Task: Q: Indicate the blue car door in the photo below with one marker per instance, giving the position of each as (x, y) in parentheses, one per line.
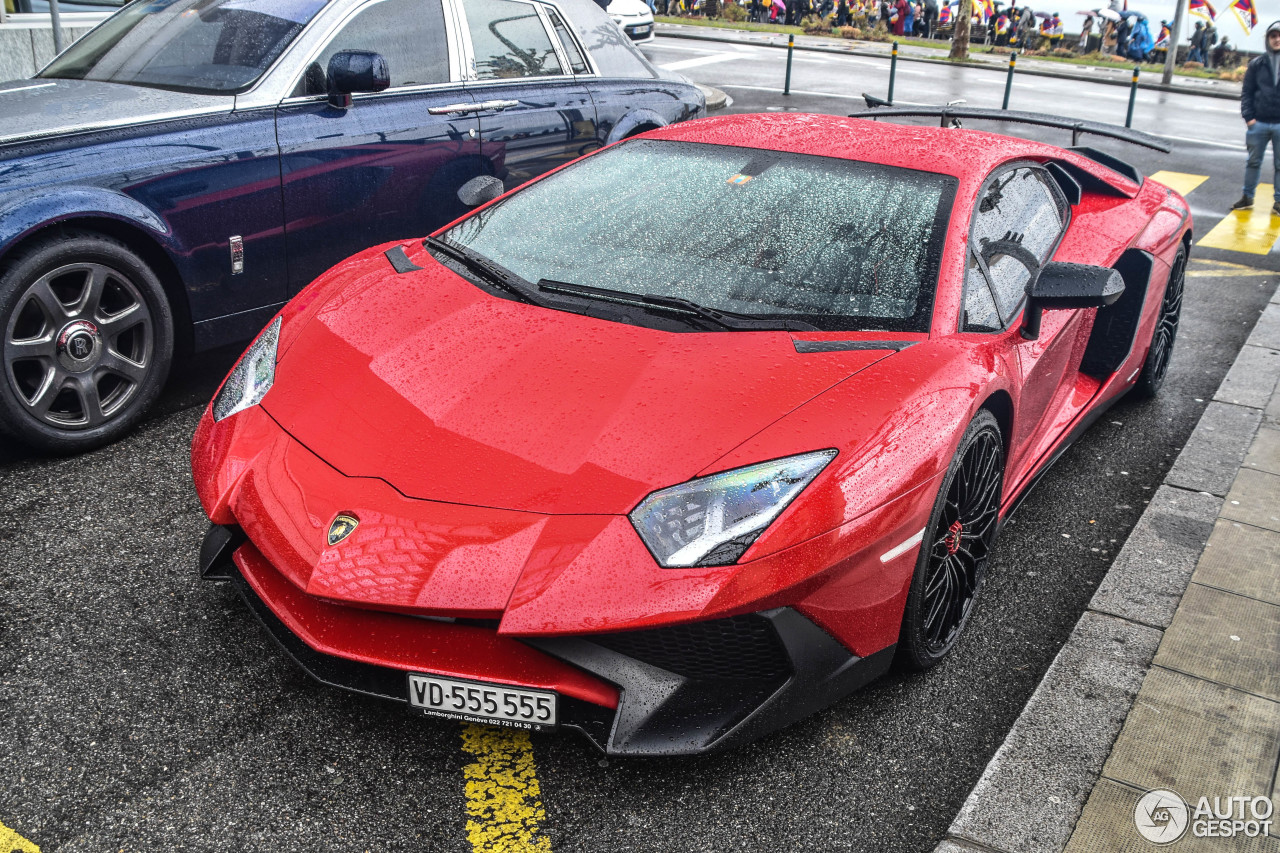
(389, 166)
(534, 113)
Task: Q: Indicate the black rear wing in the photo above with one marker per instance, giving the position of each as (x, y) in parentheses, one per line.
(946, 114)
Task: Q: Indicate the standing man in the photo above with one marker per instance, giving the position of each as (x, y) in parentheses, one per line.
(1260, 107)
(1196, 53)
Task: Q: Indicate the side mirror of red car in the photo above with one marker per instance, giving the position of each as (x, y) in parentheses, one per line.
(355, 71)
(1061, 285)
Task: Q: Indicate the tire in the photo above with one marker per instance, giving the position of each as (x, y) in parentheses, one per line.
(86, 342)
(1165, 333)
(953, 560)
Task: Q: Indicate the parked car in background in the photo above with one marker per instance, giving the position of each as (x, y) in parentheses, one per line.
(634, 17)
(175, 176)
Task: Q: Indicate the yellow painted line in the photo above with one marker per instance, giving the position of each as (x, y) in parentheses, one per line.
(504, 798)
(1254, 231)
(1179, 182)
(12, 842)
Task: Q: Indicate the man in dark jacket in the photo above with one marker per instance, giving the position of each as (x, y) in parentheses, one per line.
(1260, 107)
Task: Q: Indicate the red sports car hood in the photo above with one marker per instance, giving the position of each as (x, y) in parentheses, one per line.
(451, 394)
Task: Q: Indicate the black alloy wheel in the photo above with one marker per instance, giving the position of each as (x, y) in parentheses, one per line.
(956, 547)
(87, 341)
(1166, 330)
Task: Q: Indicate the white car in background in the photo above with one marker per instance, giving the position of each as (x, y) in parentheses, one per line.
(635, 17)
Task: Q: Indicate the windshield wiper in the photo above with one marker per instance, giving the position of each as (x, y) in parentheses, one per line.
(483, 267)
(676, 305)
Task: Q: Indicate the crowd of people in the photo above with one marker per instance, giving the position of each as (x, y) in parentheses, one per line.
(1121, 33)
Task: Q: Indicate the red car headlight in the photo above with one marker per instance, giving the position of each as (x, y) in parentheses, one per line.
(251, 378)
(711, 521)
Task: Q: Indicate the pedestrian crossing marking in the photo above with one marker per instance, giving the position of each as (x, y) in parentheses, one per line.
(1179, 182)
(1254, 231)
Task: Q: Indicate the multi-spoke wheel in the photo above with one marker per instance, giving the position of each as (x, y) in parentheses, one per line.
(87, 342)
(956, 546)
(1166, 330)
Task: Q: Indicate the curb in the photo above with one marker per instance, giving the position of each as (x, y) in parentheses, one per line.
(1031, 795)
(717, 99)
(722, 36)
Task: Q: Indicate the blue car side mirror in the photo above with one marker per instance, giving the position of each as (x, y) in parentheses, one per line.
(356, 71)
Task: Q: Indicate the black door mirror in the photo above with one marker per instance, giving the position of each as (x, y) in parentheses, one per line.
(356, 71)
(1062, 285)
(480, 190)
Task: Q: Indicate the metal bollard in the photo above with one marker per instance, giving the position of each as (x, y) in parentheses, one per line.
(791, 48)
(1133, 93)
(1008, 81)
(893, 70)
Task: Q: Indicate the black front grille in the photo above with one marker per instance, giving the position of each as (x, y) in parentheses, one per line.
(737, 648)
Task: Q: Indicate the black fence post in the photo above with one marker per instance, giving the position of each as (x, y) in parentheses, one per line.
(893, 69)
(1133, 93)
(1008, 81)
(791, 47)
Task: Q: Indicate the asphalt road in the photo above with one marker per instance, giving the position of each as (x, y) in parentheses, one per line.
(142, 710)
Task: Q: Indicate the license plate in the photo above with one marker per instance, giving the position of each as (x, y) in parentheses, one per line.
(642, 31)
(482, 702)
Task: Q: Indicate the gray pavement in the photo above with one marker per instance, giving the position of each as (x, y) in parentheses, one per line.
(141, 710)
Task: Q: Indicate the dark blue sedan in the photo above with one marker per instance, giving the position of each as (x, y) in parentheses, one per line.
(176, 175)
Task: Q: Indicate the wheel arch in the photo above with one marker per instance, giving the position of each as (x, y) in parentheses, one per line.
(139, 236)
(636, 121)
(1000, 404)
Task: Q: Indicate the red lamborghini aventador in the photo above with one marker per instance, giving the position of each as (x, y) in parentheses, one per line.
(693, 436)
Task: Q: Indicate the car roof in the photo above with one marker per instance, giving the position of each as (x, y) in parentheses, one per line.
(949, 151)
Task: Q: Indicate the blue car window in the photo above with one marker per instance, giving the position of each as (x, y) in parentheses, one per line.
(408, 33)
(199, 46)
(576, 62)
(509, 40)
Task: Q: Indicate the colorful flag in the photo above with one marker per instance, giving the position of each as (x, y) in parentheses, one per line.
(1203, 9)
(1246, 13)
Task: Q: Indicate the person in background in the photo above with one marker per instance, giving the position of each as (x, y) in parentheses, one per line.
(1085, 32)
(908, 23)
(1220, 53)
(1210, 38)
(930, 18)
(1196, 54)
(1260, 109)
(898, 18)
(842, 14)
(1002, 27)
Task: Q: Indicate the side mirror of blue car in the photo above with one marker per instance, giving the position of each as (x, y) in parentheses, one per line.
(480, 190)
(353, 71)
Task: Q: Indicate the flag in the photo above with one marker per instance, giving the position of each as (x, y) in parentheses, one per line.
(1202, 8)
(1246, 14)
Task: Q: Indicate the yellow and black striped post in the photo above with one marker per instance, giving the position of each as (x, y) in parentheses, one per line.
(1133, 94)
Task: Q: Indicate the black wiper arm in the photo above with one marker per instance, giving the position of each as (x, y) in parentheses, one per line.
(675, 304)
(483, 267)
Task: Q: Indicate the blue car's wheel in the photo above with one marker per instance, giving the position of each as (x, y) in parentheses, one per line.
(87, 340)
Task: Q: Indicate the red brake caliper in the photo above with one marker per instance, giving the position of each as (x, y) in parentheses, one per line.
(952, 539)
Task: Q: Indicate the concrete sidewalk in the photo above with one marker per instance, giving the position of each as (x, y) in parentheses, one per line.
(1171, 679)
(1117, 75)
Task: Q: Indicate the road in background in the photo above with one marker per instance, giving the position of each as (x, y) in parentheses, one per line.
(142, 710)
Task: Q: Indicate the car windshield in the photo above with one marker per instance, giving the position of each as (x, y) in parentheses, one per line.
(199, 46)
(839, 244)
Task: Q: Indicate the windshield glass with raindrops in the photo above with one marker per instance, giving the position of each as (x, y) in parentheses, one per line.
(842, 245)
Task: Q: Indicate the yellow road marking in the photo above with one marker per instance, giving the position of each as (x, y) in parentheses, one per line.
(504, 805)
(1179, 182)
(1204, 268)
(1254, 231)
(12, 842)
